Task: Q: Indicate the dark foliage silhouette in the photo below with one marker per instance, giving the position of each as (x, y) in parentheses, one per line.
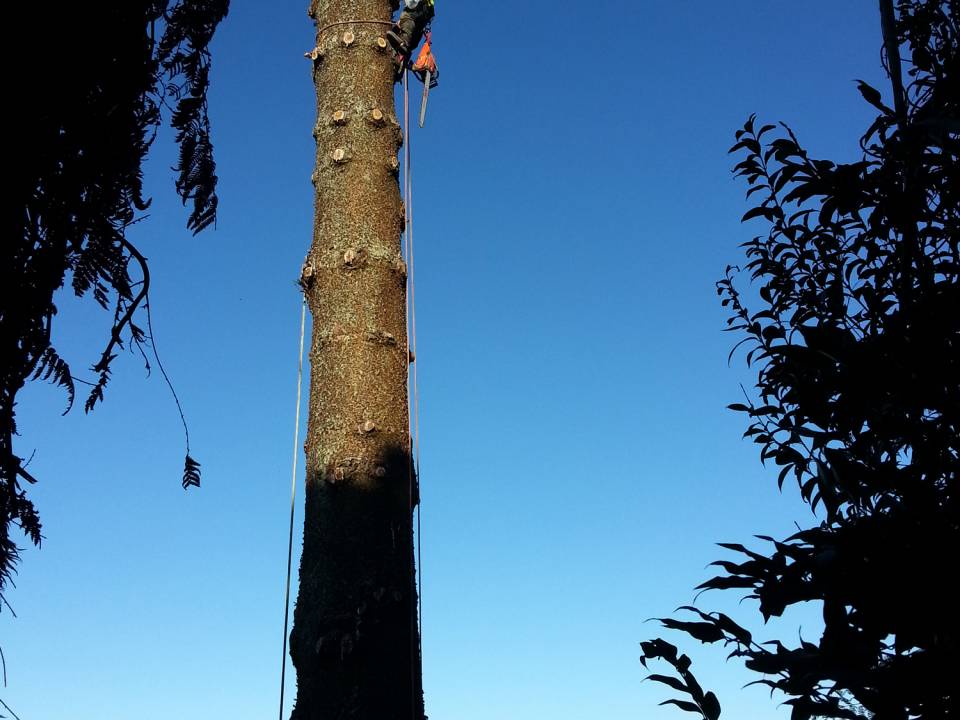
(857, 353)
(90, 83)
(702, 703)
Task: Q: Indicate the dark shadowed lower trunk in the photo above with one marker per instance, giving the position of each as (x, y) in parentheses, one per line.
(354, 640)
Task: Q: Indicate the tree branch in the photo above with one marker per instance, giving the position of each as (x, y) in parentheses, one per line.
(24, 474)
(115, 333)
(888, 25)
(15, 716)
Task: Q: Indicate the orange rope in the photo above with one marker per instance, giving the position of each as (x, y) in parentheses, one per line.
(416, 392)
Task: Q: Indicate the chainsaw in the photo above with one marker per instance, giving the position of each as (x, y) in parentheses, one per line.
(425, 68)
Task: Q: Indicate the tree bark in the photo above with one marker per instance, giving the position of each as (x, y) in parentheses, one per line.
(354, 642)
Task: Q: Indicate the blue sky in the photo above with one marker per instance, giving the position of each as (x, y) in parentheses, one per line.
(574, 207)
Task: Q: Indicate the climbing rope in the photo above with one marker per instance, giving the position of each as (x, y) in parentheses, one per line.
(412, 344)
(293, 499)
(412, 387)
(355, 22)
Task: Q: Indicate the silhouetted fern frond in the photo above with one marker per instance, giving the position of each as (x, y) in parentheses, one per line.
(53, 368)
(183, 54)
(96, 395)
(191, 473)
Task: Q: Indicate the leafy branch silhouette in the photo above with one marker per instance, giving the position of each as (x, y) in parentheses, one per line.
(856, 348)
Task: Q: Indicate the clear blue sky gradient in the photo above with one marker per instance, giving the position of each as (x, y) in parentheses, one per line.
(574, 207)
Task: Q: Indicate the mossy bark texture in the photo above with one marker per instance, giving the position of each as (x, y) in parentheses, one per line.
(354, 642)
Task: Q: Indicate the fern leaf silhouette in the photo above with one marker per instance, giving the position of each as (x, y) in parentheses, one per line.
(191, 473)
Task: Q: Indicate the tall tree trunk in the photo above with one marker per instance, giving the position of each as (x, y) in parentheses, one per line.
(354, 642)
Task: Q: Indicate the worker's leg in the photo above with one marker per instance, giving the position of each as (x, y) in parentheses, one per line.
(401, 34)
(405, 36)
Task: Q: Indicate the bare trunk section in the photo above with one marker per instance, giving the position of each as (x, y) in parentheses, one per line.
(354, 642)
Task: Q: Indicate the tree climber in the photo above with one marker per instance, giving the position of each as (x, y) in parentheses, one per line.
(406, 34)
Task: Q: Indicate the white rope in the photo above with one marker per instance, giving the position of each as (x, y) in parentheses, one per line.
(416, 399)
(412, 390)
(293, 499)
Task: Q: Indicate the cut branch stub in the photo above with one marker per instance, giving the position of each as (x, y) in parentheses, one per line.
(354, 258)
(376, 117)
(348, 38)
(339, 117)
(340, 156)
(381, 337)
(306, 274)
(345, 469)
(381, 43)
(368, 427)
